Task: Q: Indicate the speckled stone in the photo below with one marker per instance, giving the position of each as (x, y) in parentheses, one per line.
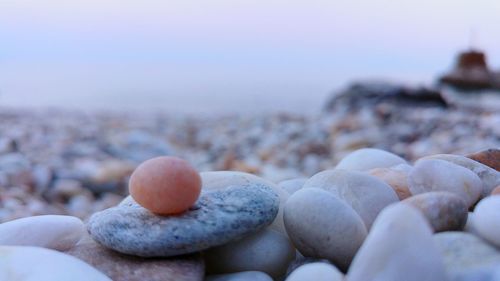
(219, 216)
(444, 210)
(221, 179)
(121, 267)
(467, 257)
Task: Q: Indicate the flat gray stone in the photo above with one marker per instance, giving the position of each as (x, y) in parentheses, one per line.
(218, 217)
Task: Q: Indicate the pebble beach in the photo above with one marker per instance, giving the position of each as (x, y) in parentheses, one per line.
(360, 191)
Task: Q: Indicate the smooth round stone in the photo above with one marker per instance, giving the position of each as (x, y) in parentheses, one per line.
(366, 194)
(489, 177)
(396, 179)
(467, 257)
(439, 175)
(487, 219)
(165, 185)
(121, 267)
(222, 179)
(220, 216)
(398, 247)
(300, 260)
(323, 226)
(489, 157)
(240, 276)
(267, 251)
(49, 231)
(445, 211)
(292, 185)
(369, 158)
(22, 263)
(318, 271)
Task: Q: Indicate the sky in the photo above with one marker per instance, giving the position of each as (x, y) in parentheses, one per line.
(227, 55)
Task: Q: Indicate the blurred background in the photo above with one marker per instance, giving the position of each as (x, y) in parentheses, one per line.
(282, 89)
(188, 56)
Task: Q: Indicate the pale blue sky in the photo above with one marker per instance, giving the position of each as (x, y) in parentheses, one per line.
(188, 55)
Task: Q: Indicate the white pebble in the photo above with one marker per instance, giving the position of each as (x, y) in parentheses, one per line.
(49, 231)
(317, 271)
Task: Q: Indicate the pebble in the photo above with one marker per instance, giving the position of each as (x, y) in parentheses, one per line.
(487, 219)
(49, 231)
(220, 216)
(222, 179)
(165, 185)
(267, 251)
(444, 210)
(121, 267)
(496, 190)
(489, 176)
(292, 185)
(317, 271)
(23, 263)
(366, 194)
(240, 276)
(369, 158)
(322, 226)
(439, 175)
(396, 179)
(398, 247)
(489, 157)
(467, 257)
(300, 260)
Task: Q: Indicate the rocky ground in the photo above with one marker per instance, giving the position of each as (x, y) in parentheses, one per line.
(61, 162)
(383, 184)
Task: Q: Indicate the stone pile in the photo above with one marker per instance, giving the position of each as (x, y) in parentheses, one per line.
(439, 220)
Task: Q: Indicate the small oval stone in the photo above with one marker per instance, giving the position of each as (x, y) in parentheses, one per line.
(267, 251)
(318, 271)
(487, 219)
(48, 231)
(240, 276)
(398, 247)
(489, 177)
(439, 175)
(369, 158)
(445, 211)
(23, 263)
(321, 225)
(366, 194)
(165, 185)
